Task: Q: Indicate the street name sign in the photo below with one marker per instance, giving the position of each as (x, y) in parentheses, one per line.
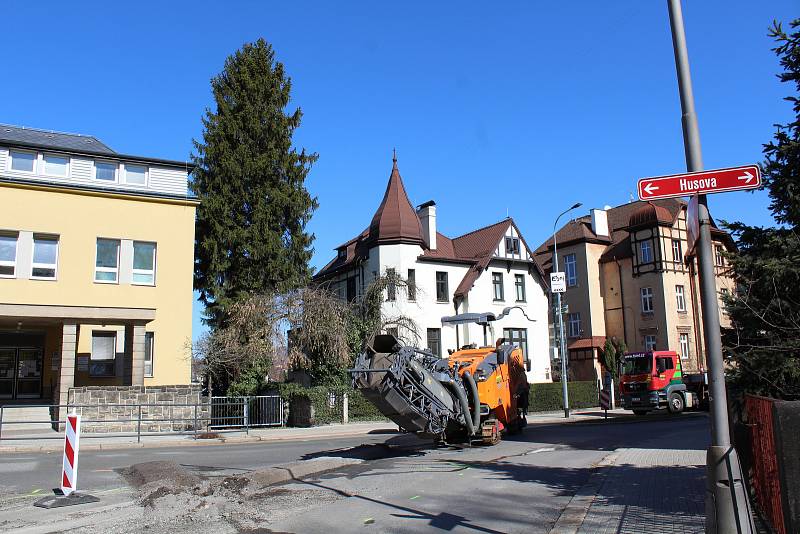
(716, 181)
(558, 283)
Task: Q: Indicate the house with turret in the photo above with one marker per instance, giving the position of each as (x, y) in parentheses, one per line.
(486, 270)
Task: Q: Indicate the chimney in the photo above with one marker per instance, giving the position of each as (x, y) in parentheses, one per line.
(427, 216)
(600, 222)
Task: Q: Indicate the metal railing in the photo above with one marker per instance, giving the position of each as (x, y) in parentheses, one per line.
(765, 481)
(221, 414)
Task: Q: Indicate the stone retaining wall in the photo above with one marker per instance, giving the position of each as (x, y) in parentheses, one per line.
(95, 404)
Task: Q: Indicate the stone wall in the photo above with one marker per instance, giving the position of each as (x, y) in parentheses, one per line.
(117, 408)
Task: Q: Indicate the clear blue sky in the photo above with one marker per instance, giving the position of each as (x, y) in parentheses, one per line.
(522, 108)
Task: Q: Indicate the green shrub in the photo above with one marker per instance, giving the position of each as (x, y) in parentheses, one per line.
(547, 397)
(327, 402)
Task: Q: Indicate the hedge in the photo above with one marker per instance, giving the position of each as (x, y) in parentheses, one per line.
(546, 397)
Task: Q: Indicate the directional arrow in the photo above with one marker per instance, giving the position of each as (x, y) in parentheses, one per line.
(747, 177)
(649, 188)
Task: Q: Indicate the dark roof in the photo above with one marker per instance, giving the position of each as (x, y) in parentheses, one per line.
(649, 214)
(20, 135)
(395, 221)
(594, 342)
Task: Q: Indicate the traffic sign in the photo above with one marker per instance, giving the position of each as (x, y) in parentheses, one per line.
(558, 283)
(716, 181)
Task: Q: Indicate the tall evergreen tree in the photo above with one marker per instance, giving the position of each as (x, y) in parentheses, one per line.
(251, 224)
(764, 342)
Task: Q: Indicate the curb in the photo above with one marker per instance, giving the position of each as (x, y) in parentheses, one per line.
(573, 515)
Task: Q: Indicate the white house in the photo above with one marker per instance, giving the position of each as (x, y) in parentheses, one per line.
(486, 270)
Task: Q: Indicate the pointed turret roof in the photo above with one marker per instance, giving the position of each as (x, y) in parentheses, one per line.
(396, 220)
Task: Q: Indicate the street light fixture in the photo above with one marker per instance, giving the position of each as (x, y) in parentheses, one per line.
(562, 344)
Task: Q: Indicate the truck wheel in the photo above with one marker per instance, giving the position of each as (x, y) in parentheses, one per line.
(640, 412)
(676, 403)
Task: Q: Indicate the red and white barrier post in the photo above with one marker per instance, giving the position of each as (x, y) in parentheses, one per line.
(69, 471)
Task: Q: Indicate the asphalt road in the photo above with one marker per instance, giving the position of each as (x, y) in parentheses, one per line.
(520, 485)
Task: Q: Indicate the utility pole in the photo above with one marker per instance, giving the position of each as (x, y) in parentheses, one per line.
(727, 507)
(559, 312)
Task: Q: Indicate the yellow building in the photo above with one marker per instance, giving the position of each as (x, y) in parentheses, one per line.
(96, 260)
(627, 278)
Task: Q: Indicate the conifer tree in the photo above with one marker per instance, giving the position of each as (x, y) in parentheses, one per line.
(764, 342)
(251, 233)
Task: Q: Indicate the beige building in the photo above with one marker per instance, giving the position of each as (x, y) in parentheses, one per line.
(96, 260)
(628, 278)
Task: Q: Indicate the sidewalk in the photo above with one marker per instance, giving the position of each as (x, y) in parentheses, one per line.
(640, 490)
(34, 440)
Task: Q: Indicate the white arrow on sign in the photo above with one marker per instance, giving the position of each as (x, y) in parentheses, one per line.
(649, 188)
(747, 177)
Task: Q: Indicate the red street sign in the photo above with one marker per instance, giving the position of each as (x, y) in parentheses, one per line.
(717, 181)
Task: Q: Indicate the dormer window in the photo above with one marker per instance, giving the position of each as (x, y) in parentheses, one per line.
(647, 252)
(56, 165)
(135, 174)
(342, 253)
(105, 171)
(23, 161)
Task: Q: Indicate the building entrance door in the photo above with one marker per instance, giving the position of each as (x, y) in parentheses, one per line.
(21, 372)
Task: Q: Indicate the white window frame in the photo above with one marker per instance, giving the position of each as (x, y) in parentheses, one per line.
(719, 259)
(518, 286)
(646, 296)
(6, 263)
(54, 266)
(146, 174)
(105, 162)
(680, 297)
(149, 340)
(13, 151)
(44, 172)
(683, 341)
(650, 343)
(572, 277)
(107, 269)
(134, 271)
(676, 244)
(649, 247)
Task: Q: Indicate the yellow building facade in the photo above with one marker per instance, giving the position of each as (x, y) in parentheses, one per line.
(96, 262)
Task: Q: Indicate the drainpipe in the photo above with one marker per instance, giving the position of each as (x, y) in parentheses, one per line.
(622, 303)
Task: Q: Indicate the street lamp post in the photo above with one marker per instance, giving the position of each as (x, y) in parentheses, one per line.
(562, 344)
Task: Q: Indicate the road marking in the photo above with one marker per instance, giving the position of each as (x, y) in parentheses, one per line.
(543, 449)
(102, 470)
(413, 498)
(369, 521)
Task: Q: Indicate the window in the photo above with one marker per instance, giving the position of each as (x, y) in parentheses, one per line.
(681, 298)
(497, 285)
(574, 325)
(144, 263)
(663, 363)
(518, 337)
(570, 269)
(148, 353)
(45, 257)
(8, 255)
(684, 346)
(350, 294)
(435, 341)
(647, 251)
(55, 165)
(442, 293)
(512, 245)
(391, 284)
(647, 299)
(105, 171)
(107, 261)
(23, 161)
(649, 343)
(719, 259)
(104, 351)
(677, 252)
(412, 284)
(135, 174)
(519, 286)
(392, 331)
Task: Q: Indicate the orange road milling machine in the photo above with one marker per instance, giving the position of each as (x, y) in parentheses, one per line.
(474, 395)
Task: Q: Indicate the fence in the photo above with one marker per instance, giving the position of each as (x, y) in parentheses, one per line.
(765, 477)
(246, 412)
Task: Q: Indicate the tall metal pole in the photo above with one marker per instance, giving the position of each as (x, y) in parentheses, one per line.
(727, 507)
(562, 343)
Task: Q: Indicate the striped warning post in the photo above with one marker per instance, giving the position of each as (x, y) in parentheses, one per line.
(69, 472)
(605, 399)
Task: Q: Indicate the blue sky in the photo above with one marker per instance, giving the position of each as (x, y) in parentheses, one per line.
(521, 108)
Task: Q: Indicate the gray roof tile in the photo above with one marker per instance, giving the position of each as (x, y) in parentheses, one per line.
(33, 137)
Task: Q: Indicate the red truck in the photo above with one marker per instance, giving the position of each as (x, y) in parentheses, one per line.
(654, 380)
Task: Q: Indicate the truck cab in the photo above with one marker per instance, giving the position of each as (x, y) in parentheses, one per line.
(653, 380)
